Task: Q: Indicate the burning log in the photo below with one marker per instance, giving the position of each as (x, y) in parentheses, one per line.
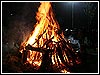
(59, 50)
(46, 62)
(47, 42)
(43, 50)
(24, 56)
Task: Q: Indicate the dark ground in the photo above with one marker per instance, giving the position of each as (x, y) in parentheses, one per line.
(89, 65)
(11, 63)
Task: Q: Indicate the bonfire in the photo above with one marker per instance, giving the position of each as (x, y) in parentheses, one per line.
(46, 46)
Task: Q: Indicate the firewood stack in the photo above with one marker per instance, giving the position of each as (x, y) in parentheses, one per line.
(46, 48)
(61, 49)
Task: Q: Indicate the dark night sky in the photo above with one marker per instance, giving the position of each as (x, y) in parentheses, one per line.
(64, 14)
(62, 10)
(19, 17)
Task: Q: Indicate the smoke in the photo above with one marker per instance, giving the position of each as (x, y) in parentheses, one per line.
(18, 27)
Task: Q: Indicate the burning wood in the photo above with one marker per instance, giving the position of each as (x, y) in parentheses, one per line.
(43, 50)
(49, 48)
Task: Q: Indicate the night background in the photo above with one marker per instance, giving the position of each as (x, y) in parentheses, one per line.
(18, 20)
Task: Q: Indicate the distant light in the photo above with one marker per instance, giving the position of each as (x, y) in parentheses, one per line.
(71, 30)
(11, 14)
(66, 30)
(77, 51)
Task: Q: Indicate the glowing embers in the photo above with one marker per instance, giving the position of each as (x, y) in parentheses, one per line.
(64, 71)
(35, 58)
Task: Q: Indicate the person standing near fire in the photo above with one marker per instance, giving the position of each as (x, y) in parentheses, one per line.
(74, 41)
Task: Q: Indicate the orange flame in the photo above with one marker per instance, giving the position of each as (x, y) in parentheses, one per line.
(45, 21)
(48, 26)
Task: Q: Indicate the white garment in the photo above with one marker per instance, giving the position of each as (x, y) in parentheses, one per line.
(73, 41)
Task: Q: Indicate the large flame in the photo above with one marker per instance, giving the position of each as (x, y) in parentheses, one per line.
(47, 26)
(44, 16)
(45, 21)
